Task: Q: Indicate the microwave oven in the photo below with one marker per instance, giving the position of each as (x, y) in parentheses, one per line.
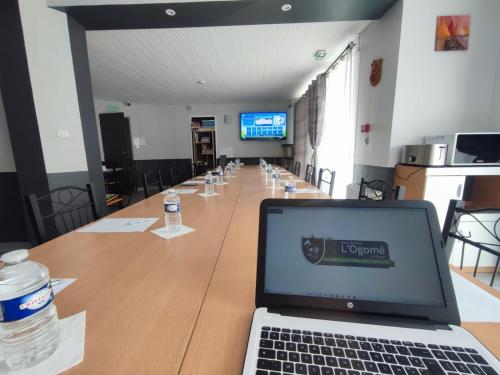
(469, 148)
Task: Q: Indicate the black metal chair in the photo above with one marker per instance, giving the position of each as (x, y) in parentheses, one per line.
(174, 176)
(222, 161)
(286, 163)
(62, 210)
(296, 168)
(455, 212)
(200, 167)
(152, 180)
(194, 170)
(310, 176)
(328, 177)
(379, 190)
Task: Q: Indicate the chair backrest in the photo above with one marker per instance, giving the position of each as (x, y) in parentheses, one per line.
(310, 176)
(62, 210)
(152, 180)
(174, 176)
(379, 190)
(200, 167)
(286, 163)
(328, 177)
(222, 161)
(194, 170)
(487, 241)
(296, 168)
(451, 217)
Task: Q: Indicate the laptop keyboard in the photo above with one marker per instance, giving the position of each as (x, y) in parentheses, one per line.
(291, 351)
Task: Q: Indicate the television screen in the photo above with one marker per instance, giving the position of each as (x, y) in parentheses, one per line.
(263, 125)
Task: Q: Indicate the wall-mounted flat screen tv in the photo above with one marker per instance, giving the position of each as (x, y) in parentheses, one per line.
(262, 125)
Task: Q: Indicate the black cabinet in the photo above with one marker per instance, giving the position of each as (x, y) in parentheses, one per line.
(117, 147)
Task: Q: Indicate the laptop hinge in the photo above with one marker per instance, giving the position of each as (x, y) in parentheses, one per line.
(362, 318)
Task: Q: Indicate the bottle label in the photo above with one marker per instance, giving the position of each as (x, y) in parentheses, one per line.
(289, 188)
(209, 181)
(21, 307)
(172, 207)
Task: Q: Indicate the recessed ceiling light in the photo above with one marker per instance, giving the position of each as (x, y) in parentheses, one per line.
(170, 12)
(286, 7)
(201, 82)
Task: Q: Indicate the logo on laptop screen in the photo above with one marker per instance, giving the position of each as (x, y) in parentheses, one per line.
(352, 253)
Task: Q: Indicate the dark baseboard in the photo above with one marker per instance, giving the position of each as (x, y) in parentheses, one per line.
(184, 166)
(12, 221)
(79, 179)
(164, 165)
(371, 172)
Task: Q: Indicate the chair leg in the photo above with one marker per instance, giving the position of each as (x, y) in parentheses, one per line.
(477, 262)
(494, 272)
(462, 257)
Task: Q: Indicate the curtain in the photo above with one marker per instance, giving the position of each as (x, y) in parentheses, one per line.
(336, 150)
(317, 96)
(309, 113)
(301, 147)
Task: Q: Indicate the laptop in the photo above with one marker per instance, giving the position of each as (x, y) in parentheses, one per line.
(349, 287)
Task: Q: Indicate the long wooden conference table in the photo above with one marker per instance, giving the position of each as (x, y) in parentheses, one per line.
(178, 306)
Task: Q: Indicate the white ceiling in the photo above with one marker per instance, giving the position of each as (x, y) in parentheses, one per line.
(239, 63)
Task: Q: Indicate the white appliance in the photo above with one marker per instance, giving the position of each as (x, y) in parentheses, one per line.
(469, 148)
(428, 155)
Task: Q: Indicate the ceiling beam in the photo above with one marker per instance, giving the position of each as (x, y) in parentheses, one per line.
(223, 13)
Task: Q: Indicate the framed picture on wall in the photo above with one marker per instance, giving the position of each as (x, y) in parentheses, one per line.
(452, 33)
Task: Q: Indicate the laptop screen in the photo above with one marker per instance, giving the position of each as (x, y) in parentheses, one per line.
(367, 254)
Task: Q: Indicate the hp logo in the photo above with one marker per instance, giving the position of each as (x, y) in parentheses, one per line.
(350, 305)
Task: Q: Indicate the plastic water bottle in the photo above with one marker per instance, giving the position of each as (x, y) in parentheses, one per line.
(173, 216)
(219, 176)
(29, 326)
(289, 188)
(276, 179)
(209, 183)
(238, 163)
(269, 172)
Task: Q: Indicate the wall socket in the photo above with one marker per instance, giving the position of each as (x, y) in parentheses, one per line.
(62, 133)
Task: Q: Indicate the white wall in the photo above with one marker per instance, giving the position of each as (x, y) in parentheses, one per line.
(6, 157)
(495, 103)
(168, 134)
(444, 92)
(375, 104)
(228, 135)
(52, 77)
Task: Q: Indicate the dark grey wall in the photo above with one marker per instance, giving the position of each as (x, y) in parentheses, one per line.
(78, 179)
(12, 224)
(20, 110)
(164, 165)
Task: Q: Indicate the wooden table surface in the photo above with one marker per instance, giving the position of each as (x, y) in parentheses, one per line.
(179, 306)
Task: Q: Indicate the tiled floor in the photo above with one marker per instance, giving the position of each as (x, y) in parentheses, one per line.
(485, 277)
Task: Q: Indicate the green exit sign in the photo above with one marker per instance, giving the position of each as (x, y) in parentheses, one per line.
(111, 108)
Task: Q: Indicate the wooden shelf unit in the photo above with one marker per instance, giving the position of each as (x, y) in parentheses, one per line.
(203, 140)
